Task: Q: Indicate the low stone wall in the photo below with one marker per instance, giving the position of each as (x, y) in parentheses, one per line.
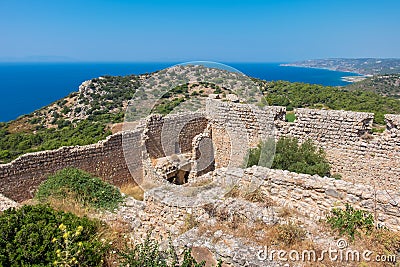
(360, 157)
(20, 178)
(315, 196)
(118, 159)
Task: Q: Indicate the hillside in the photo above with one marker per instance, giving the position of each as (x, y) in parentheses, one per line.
(365, 66)
(87, 116)
(386, 85)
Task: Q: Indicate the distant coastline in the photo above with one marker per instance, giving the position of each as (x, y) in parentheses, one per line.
(322, 68)
(357, 77)
(359, 66)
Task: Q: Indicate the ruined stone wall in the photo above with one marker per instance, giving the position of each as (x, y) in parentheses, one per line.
(106, 159)
(237, 126)
(360, 157)
(20, 178)
(172, 134)
(315, 196)
(202, 153)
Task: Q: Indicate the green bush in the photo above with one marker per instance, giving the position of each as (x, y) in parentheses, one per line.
(82, 186)
(305, 158)
(31, 235)
(350, 221)
(149, 254)
(290, 117)
(292, 156)
(262, 154)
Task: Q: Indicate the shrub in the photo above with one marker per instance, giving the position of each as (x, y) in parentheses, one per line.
(351, 221)
(292, 156)
(290, 117)
(305, 158)
(290, 234)
(81, 186)
(35, 235)
(261, 155)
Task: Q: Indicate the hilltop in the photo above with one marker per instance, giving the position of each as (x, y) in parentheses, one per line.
(365, 66)
(386, 85)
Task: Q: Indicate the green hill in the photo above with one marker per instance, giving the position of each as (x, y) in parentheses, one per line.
(386, 85)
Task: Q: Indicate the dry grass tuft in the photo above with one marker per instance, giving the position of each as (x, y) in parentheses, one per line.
(70, 204)
(256, 196)
(190, 223)
(132, 190)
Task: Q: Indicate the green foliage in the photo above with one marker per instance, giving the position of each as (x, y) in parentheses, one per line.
(351, 221)
(336, 176)
(149, 254)
(29, 237)
(301, 95)
(164, 107)
(301, 158)
(82, 186)
(261, 155)
(378, 130)
(290, 117)
(85, 132)
(386, 85)
(292, 156)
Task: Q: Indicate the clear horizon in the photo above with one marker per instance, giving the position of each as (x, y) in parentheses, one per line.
(171, 62)
(179, 31)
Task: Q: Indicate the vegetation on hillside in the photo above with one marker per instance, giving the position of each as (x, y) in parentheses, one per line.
(149, 254)
(385, 85)
(290, 155)
(82, 187)
(84, 132)
(301, 95)
(357, 65)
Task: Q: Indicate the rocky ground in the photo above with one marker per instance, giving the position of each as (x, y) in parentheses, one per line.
(6, 203)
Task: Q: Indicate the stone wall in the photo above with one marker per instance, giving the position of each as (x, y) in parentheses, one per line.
(355, 153)
(237, 126)
(172, 134)
(118, 159)
(315, 196)
(359, 156)
(20, 178)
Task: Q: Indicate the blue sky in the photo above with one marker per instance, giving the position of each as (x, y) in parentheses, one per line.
(150, 30)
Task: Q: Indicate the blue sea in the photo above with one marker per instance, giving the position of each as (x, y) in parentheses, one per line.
(25, 87)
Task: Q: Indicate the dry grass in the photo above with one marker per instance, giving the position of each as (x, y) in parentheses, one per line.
(235, 192)
(190, 223)
(133, 190)
(287, 212)
(69, 204)
(255, 196)
(21, 125)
